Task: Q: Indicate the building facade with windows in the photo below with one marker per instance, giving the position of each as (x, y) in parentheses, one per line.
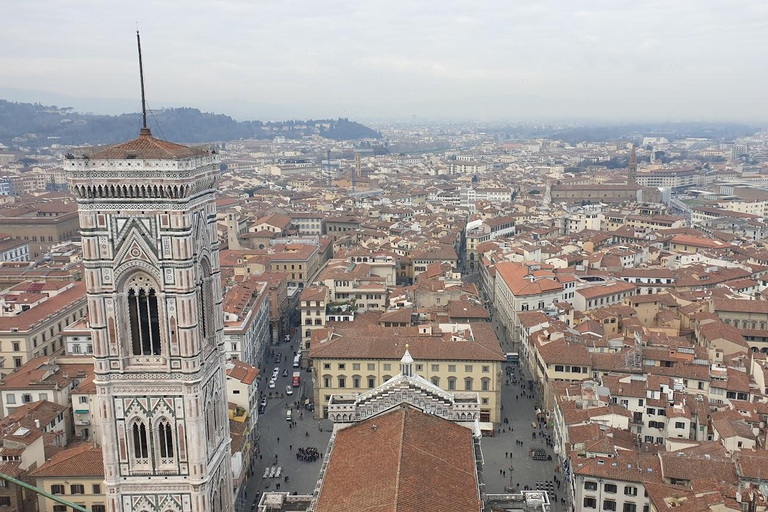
(77, 475)
(614, 484)
(34, 329)
(151, 265)
(454, 357)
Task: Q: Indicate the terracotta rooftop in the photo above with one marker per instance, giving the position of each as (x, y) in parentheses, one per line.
(399, 462)
(376, 342)
(146, 147)
(241, 371)
(78, 460)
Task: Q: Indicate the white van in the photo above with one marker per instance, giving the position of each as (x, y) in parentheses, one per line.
(288, 415)
(297, 360)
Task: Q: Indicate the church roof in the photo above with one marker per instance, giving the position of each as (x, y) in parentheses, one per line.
(146, 147)
(400, 462)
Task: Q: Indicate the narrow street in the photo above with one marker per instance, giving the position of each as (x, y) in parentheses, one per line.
(302, 476)
(501, 451)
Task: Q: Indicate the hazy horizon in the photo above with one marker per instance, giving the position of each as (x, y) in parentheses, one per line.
(588, 61)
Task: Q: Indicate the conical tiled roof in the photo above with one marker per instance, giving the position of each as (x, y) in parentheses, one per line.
(146, 147)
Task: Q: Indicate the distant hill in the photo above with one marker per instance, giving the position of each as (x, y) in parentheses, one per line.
(38, 125)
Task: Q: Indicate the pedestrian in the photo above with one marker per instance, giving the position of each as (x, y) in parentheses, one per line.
(499, 472)
(278, 439)
(505, 473)
(290, 447)
(506, 454)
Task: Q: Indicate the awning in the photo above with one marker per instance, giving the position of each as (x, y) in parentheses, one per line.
(486, 426)
(82, 411)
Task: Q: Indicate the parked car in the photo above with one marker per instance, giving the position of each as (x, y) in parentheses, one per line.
(288, 390)
(278, 358)
(272, 384)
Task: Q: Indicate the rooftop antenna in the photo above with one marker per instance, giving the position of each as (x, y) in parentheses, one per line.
(141, 78)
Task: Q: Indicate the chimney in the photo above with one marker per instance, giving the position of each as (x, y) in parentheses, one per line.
(37, 423)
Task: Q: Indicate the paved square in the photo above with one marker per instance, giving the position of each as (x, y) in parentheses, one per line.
(500, 452)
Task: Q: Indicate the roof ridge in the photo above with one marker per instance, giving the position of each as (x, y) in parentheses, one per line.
(400, 459)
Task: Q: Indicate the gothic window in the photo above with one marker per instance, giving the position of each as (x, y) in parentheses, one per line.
(140, 446)
(165, 438)
(205, 302)
(210, 423)
(144, 317)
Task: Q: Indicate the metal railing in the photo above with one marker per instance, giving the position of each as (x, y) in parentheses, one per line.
(41, 492)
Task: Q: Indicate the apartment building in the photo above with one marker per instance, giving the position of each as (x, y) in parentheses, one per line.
(14, 250)
(300, 261)
(614, 484)
(42, 224)
(312, 304)
(77, 475)
(349, 358)
(277, 293)
(246, 321)
(33, 317)
(308, 223)
(354, 283)
(439, 254)
(77, 337)
(602, 295)
(49, 378)
(521, 287)
(84, 404)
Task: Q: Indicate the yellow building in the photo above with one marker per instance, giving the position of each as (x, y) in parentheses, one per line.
(77, 475)
(349, 358)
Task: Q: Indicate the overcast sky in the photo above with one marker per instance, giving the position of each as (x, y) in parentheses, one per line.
(508, 59)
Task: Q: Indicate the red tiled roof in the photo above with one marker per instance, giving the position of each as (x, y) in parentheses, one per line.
(399, 462)
(146, 147)
(80, 460)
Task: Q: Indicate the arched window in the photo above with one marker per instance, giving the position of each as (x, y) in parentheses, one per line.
(140, 450)
(436, 381)
(210, 423)
(451, 383)
(145, 322)
(468, 384)
(165, 439)
(486, 384)
(205, 302)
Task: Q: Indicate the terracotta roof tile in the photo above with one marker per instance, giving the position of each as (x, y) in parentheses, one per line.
(399, 462)
(146, 147)
(78, 460)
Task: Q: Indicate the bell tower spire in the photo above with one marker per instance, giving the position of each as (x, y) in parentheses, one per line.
(151, 266)
(144, 128)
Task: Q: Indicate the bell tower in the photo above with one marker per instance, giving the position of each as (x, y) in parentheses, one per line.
(151, 258)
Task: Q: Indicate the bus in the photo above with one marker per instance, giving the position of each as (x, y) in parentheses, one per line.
(296, 379)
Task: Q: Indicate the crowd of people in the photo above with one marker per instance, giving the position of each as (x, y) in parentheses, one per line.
(309, 454)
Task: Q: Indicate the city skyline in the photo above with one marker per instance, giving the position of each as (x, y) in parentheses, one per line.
(601, 62)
